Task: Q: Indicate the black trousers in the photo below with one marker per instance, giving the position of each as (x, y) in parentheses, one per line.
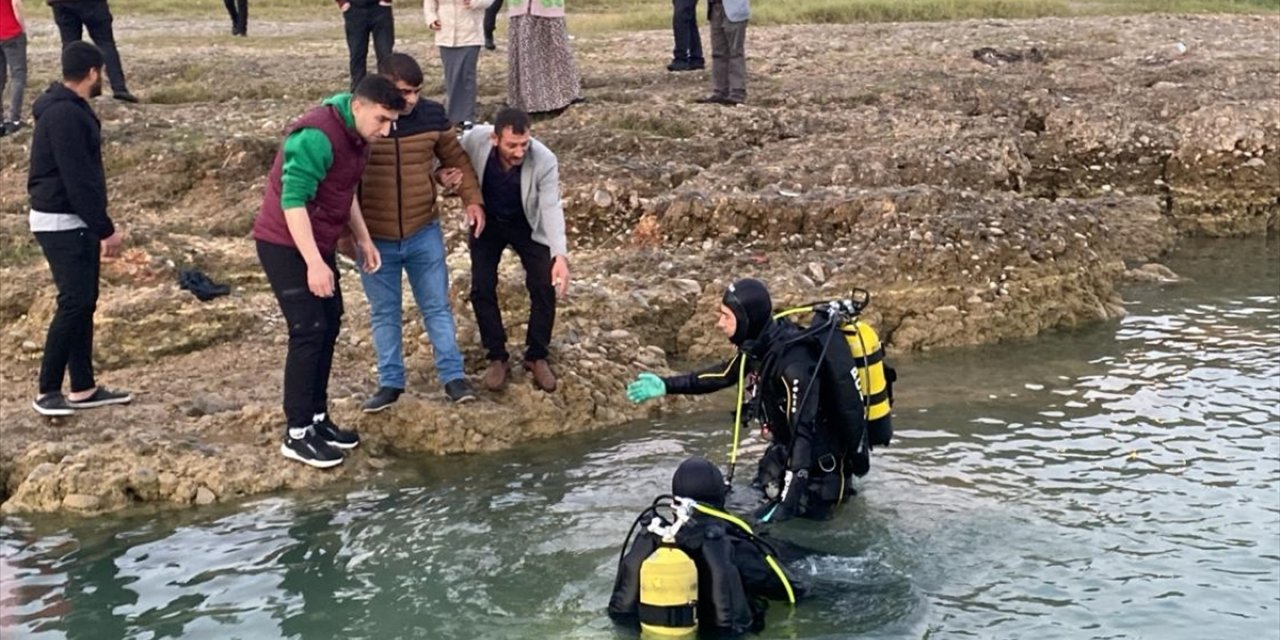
(684, 25)
(361, 23)
(486, 254)
(313, 330)
(239, 12)
(75, 261)
(491, 18)
(73, 18)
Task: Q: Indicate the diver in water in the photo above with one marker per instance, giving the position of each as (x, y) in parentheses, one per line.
(701, 570)
(804, 386)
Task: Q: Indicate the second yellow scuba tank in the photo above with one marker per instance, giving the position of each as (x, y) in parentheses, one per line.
(873, 380)
(668, 593)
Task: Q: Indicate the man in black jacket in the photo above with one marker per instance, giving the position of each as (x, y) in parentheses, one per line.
(801, 393)
(68, 190)
(74, 17)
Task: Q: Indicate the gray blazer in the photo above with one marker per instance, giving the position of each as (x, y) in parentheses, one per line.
(539, 186)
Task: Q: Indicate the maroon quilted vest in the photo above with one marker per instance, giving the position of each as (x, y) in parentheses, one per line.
(330, 208)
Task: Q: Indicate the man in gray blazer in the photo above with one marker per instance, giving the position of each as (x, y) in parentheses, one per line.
(520, 182)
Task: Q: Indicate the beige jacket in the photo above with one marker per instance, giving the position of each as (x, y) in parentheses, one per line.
(460, 26)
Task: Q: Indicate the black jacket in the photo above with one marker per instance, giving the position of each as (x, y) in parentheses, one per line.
(66, 173)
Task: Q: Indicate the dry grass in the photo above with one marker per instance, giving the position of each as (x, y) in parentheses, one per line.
(602, 16)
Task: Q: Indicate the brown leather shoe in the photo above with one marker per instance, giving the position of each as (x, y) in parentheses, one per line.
(496, 375)
(543, 378)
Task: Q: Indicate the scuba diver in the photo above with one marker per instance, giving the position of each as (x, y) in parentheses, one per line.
(702, 570)
(821, 394)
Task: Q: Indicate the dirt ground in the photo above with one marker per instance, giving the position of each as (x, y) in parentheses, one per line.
(981, 196)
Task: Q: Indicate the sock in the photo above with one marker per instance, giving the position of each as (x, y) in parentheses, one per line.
(298, 433)
(318, 418)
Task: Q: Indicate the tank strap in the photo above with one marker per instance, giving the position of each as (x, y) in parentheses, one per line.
(764, 548)
(669, 616)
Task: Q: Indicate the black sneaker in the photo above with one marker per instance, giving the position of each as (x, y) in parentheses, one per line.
(311, 449)
(52, 404)
(330, 433)
(489, 44)
(101, 397)
(125, 96)
(459, 391)
(385, 397)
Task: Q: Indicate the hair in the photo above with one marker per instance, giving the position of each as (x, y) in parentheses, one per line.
(381, 91)
(402, 67)
(511, 118)
(78, 58)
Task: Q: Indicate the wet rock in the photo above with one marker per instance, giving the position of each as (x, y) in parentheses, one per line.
(205, 496)
(81, 502)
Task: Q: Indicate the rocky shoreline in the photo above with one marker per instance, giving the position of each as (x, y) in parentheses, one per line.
(979, 200)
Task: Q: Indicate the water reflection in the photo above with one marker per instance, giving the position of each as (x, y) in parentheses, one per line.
(1120, 481)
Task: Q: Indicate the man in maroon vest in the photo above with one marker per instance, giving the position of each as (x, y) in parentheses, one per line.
(308, 204)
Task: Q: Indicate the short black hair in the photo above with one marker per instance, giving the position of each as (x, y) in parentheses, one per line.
(78, 58)
(402, 67)
(510, 117)
(381, 91)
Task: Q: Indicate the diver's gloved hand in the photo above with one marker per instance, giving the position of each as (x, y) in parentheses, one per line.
(646, 386)
(787, 506)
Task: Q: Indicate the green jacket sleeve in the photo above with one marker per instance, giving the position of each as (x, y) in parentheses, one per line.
(307, 158)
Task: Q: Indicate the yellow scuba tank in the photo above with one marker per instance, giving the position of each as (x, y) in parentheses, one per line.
(668, 593)
(873, 382)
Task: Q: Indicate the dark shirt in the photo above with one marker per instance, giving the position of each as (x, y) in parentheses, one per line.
(501, 191)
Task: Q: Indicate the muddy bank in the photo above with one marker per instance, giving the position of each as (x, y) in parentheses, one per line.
(980, 200)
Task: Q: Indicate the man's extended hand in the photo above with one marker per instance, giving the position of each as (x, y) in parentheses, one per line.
(475, 218)
(646, 386)
(560, 275)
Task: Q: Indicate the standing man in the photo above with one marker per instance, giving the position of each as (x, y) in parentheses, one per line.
(74, 17)
(684, 23)
(398, 198)
(68, 190)
(364, 19)
(308, 203)
(239, 11)
(13, 61)
(520, 183)
(728, 20)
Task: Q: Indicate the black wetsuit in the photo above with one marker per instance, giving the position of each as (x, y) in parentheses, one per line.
(814, 413)
(734, 578)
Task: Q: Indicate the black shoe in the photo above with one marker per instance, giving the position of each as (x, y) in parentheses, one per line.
(385, 397)
(335, 437)
(199, 284)
(488, 43)
(710, 100)
(101, 397)
(52, 404)
(459, 391)
(124, 96)
(697, 65)
(679, 65)
(311, 450)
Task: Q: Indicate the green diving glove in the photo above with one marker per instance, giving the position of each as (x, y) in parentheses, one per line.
(646, 386)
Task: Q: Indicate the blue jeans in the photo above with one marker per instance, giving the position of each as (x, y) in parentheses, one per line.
(421, 256)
